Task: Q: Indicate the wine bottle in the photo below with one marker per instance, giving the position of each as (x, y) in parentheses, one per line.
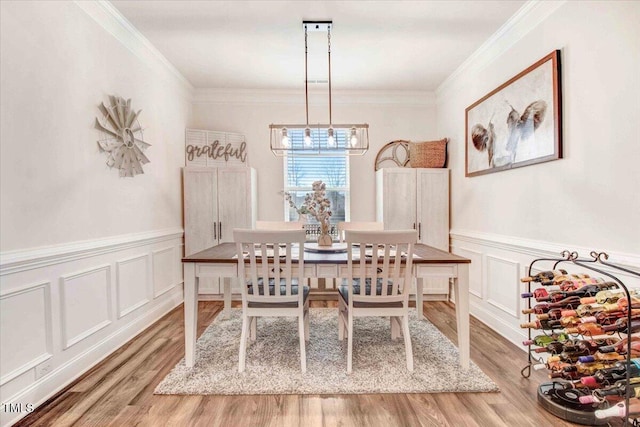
(599, 356)
(581, 369)
(585, 291)
(621, 326)
(564, 278)
(588, 329)
(619, 388)
(605, 318)
(538, 309)
(623, 302)
(571, 285)
(609, 296)
(568, 356)
(554, 313)
(541, 308)
(621, 346)
(542, 324)
(618, 410)
(554, 347)
(543, 276)
(540, 292)
(570, 321)
(543, 340)
(615, 373)
(589, 309)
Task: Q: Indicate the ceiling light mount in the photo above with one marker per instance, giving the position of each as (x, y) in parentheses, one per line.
(320, 139)
(317, 26)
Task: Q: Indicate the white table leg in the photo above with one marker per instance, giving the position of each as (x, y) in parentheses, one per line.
(420, 297)
(227, 296)
(190, 312)
(462, 313)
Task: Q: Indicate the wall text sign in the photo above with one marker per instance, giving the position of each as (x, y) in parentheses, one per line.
(215, 149)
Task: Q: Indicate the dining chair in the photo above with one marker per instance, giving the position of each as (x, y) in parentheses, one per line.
(269, 282)
(377, 284)
(279, 225)
(358, 225)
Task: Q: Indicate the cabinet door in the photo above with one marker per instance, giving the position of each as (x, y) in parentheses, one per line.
(200, 209)
(234, 201)
(396, 198)
(433, 207)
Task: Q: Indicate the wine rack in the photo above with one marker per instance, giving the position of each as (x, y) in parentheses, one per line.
(561, 396)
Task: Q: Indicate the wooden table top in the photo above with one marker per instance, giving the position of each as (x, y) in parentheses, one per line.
(225, 252)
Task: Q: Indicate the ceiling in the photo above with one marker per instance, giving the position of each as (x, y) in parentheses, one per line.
(375, 45)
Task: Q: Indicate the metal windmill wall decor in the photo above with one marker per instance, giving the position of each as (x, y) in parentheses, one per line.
(122, 136)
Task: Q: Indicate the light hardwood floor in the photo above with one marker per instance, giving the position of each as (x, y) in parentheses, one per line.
(119, 391)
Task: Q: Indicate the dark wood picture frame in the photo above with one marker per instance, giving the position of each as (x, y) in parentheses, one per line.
(517, 124)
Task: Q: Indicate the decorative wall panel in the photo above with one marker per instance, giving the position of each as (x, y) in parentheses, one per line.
(85, 299)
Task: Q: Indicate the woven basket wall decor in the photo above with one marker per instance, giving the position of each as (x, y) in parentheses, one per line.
(428, 154)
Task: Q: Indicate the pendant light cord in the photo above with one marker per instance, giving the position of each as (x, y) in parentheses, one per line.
(306, 79)
(329, 47)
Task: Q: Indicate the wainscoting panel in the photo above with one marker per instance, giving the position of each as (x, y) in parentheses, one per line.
(26, 339)
(475, 269)
(502, 274)
(133, 284)
(164, 276)
(497, 264)
(85, 299)
(65, 308)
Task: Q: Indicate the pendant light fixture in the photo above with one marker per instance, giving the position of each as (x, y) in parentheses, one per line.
(320, 139)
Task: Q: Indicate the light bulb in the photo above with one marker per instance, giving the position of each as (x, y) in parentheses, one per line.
(331, 140)
(286, 142)
(307, 137)
(354, 139)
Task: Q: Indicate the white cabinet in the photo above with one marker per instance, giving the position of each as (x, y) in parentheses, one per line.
(416, 198)
(216, 200)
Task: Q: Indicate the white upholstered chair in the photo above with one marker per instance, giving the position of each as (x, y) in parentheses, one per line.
(358, 225)
(270, 287)
(279, 225)
(377, 284)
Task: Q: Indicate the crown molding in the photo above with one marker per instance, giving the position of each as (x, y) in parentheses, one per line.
(530, 15)
(110, 18)
(296, 97)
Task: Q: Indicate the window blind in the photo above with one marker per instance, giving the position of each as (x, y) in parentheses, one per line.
(332, 168)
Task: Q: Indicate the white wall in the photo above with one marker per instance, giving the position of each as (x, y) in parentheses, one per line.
(391, 116)
(57, 67)
(588, 200)
(89, 259)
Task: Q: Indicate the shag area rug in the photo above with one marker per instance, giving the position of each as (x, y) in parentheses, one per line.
(273, 360)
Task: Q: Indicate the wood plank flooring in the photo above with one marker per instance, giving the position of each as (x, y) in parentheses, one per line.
(119, 391)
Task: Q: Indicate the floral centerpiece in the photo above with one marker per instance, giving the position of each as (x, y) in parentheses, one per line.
(318, 206)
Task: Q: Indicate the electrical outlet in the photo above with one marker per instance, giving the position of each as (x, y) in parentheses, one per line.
(43, 369)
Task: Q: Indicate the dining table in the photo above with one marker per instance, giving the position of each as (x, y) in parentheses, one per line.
(221, 261)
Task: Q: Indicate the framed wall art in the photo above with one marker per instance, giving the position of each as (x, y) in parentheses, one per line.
(517, 124)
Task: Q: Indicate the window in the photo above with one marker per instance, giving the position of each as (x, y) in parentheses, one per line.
(332, 168)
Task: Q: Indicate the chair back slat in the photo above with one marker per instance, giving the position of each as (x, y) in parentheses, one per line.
(271, 275)
(386, 275)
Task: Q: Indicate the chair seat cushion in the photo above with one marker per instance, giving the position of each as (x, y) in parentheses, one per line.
(343, 291)
(272, 291)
